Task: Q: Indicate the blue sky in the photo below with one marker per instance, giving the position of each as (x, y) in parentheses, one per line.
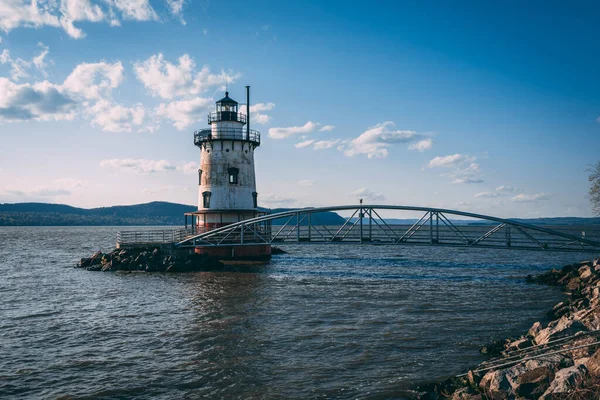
(478, 107)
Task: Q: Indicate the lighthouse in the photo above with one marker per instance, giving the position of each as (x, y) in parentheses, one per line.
(226, 178)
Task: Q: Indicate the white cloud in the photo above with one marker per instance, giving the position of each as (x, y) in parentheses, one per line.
(486, 195)
(376, 140)
(501, 190)
(256, 112)
(87, 91)
(467, 180)
(526, 198)
(190, 168)
(325, 144)
(327, 128)
(506, 189)
(185, 112)
(117, 118)
(259, 107)
(141, 166)
(450, 161)
(282, 133)
(305, 143)
(139, 10)
(168, 80)
(421, 145)
(464, 169)
(368, 195)
(306, 182)
(56, 188)
(94, 81)
(39, 60)
(65, 13)
(40, 101)
(18, 67)
(176, 8)
(271, 199)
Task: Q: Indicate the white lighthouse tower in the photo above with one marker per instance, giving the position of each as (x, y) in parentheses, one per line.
(226, 178)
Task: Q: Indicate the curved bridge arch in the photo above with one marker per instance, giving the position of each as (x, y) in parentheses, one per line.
(366, 226)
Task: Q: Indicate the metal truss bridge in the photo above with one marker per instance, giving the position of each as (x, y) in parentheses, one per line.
(436, 227)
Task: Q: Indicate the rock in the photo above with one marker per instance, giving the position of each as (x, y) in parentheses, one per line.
(574, 284)
(593, 364)
(559, 328)
(502, 382)
(473, 379)
(465, 394)
(494, 348)
(518, 344)
(585, 272)
(565, 380)
(534, 383)
(535, 329)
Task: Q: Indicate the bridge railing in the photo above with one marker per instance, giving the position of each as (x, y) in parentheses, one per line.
(366, 225)
(153, 236)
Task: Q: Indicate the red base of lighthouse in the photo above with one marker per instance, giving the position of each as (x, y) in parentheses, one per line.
(256, 252)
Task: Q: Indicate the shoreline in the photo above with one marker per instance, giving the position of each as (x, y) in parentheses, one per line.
(556, 360)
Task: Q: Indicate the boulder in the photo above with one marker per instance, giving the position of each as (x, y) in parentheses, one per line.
(494, 348)
(585, 272)
(534, 383)
(574, 284)
(535, 329)
(593, 364)
(559, 328)
(565, 381)
(519, 344)
(502, 382)
(465, 394)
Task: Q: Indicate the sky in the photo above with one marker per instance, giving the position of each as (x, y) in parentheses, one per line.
(486, 107)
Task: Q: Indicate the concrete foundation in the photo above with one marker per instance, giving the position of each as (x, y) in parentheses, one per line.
(252, 252)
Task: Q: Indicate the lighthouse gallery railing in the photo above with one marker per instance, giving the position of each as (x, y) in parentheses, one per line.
(207, 135)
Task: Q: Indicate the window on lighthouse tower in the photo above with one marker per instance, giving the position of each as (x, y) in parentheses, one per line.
(199, 177)
(233, 175)
(206, 199)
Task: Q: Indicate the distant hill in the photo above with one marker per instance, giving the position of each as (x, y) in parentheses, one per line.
(154, 213)
(324, 218)
(44, 214)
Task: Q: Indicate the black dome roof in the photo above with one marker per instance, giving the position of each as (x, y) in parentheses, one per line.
(227, 99)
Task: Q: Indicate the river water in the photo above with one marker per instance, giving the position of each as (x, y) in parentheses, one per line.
(335, 321)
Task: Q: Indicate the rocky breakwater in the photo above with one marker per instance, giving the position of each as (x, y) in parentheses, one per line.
(556, 360)
(149, 260)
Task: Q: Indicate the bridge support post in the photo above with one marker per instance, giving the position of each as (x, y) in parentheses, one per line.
(431, 227)
(309, 215)
(297, 227)
(437, 228)
(360, 215)
(370, 225)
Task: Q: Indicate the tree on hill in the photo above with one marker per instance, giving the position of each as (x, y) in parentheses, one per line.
(594, 192)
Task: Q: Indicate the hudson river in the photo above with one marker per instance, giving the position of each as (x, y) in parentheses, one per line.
(333, 321)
